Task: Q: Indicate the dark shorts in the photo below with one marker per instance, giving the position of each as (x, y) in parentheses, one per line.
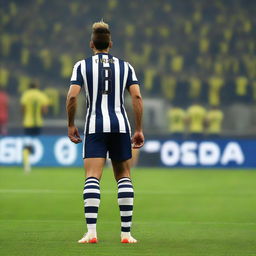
(33, 131)
(118, 145)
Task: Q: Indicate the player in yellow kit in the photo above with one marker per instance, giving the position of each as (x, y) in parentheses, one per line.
(214, 121)
(196, 116)
(176, 122)
(34, 105)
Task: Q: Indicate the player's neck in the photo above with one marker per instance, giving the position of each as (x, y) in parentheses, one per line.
(98, 51)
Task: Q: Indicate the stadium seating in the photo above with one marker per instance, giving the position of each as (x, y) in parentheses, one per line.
(215, 63)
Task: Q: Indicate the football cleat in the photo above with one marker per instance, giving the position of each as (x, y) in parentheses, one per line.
(88, 239)
(128, 240)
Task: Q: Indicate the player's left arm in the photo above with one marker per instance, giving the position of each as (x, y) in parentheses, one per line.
(132, 85)
(45, 103)
(71, 106)
(137, 103)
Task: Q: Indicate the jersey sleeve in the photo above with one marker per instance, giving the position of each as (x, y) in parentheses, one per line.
(77, 77)
(132, 78)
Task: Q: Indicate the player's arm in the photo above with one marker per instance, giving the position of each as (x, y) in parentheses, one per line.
(45, 103)
(71, 106)
(45, 110)
(137, 103)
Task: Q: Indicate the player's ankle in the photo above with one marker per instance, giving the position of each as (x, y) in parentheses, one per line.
(125, 234)
(92, 233)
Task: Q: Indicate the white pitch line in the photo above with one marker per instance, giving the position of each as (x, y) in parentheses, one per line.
(52, 191)
(36, 191)
(161, 222)
(147, 192)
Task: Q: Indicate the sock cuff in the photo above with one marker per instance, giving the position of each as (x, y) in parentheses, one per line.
(92, 180)
(124, 179)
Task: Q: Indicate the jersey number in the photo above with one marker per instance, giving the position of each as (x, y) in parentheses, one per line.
(106, 77)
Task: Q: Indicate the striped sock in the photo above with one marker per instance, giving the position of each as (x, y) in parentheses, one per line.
(91, 197)
(125, 202)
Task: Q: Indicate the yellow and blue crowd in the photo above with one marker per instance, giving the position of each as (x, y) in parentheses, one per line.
(195, 122)
(183, 51)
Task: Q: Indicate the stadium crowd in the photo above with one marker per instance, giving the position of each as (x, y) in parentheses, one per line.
(200, 50)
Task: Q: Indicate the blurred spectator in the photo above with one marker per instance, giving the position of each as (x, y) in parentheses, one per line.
(196, 116)
(215, 84)
(205, 49)
(176, 122)
(4, 102)
(241, 86)
(34, 105)
(214, 120)
(195, 86)
(208, 42)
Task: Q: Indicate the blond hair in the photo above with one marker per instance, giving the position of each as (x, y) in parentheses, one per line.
(100, 25)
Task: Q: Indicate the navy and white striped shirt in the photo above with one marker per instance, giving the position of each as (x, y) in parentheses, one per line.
(105, 79)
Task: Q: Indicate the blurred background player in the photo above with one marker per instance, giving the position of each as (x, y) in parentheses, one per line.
(176, 122)
(4, 105)
(214, 119)
(196, 116)
(34, 104)
(107, 129)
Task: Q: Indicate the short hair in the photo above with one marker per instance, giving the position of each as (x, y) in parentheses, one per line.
(101, 35)
(33, 85)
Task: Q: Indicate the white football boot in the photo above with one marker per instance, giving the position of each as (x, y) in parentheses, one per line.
(126, 238)
(88, 239)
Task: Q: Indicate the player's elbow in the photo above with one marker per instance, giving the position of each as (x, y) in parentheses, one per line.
(71, 97)
(137, 97)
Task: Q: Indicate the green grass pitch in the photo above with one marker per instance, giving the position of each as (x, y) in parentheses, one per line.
(177, 212)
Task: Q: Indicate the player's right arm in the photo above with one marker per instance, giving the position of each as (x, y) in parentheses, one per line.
(71, 106)
(45, 102)
(137, 103)
(76, 82)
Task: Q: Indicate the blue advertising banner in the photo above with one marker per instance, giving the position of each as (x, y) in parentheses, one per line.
(206, 153)
(47, 151)
(59, 151)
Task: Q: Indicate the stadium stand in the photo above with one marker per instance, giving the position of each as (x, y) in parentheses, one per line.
(215, 65)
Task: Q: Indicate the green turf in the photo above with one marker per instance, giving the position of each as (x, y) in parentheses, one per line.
(177, 212)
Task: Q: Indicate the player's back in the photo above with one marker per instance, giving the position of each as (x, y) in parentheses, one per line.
(105, 79)
(196, 114)
(177, 120)
(33, 100)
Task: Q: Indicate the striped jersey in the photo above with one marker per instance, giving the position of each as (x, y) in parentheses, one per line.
(104, 79)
